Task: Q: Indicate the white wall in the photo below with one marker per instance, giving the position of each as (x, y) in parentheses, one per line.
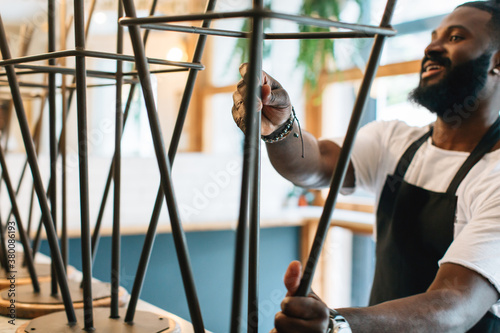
(207, 188)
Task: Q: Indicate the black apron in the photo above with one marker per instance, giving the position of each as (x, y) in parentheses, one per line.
(415, 228)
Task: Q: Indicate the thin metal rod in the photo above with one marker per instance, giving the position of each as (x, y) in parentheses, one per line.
(145, 257)
(253, 252)
(267, 36)
(165, 171)
(64, 184)
(87, 29)
(158, 71)
(52, 129)
(38, 238)
(62, 142)
(38, 57)
(19, 73)
(97, 229)
(22, 232)
(18, 188)
(129, 21)
(72, 87)
(172, 151)
(113, 56)
(26, 35)
(25, 95)
(115, 245)
(95, 236)
(62, 136)
(152, 11)
(249, 175)
(25, 84)
(196, 30)
(89, 20)
(318, 35)
(52, 69)
(1, 179)
(256, 45)
(3, 248)
(90, 73)
(36, 140)
(344, 158)
(42, 198)
(81, 106)
(36, 242)
(321, 22)
(95, 54)
(30, 212)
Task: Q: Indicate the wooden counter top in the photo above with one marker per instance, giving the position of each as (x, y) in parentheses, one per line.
(358, 222)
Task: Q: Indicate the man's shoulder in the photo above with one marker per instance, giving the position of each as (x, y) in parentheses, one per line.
(394, 132)
(395, 126)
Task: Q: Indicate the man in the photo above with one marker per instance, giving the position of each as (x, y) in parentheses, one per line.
(437, 188)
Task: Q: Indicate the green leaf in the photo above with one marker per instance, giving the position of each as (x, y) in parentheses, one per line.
(314, 54)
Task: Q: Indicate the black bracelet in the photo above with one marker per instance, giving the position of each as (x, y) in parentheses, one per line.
(284, 130)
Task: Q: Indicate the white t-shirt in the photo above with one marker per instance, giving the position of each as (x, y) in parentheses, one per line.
(376, 152)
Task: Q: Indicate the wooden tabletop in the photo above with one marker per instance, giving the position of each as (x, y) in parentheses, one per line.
(185, 326)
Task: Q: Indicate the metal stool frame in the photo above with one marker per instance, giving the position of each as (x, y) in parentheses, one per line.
(250, 190)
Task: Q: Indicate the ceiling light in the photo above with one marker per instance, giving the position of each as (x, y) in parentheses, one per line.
(175, 54)
(100, 18)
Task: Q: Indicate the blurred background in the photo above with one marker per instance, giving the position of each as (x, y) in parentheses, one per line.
(322, 78)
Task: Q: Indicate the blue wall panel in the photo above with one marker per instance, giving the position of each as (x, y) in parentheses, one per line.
(212, 256)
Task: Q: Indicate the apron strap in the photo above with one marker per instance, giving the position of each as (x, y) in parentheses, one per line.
(484, 146)
(405, 160)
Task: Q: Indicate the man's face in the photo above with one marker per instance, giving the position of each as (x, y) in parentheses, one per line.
(456, 62)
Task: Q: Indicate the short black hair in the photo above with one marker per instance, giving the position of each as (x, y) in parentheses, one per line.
(492, 7)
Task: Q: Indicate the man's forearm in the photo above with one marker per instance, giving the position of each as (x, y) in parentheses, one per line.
(314, 170)
(434, 311)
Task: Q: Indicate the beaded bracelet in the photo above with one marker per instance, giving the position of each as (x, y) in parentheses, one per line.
(284, 130)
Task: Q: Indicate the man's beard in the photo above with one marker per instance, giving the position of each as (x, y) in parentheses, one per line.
(463, 82)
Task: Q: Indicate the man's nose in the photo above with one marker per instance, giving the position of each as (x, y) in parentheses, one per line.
(435, 48)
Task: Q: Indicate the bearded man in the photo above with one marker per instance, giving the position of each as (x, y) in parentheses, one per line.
(437, 190)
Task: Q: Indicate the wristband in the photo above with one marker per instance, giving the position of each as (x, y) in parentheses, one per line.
(284, 130)
(338, 324)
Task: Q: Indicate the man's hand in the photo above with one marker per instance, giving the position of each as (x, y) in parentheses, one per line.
(275, 104)
(300, 314)
(307, 162)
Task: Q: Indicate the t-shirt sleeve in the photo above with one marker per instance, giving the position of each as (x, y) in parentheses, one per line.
(477, 244)
(377, 149)
(367, 153)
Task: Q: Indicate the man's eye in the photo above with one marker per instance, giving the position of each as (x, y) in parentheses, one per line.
(456, 38)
